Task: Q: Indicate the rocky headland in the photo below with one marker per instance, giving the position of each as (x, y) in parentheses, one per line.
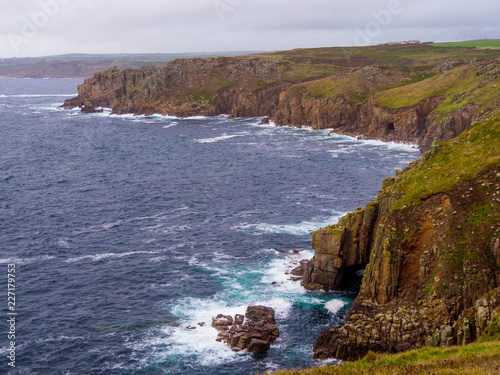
(429, 243)
(410, 94)
(430, 246)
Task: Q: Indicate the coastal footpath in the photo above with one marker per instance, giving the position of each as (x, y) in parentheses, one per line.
(429, 243)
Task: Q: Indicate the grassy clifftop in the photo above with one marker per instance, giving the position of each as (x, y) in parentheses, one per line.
(474, 359)
(458, 160)
(433, 239)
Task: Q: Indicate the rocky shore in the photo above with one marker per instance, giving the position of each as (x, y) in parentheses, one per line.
(432, 260)
(350, 93)
(429, 243)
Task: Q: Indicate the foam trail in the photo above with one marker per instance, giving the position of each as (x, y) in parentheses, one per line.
(98, 257)
(392, 145)
(37, 95)
(217, 139)
(302, 228)
(27, 260)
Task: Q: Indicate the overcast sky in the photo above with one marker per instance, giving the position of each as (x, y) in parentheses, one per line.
(50, 27)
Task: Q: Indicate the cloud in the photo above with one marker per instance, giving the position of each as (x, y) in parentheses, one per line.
(106, 26)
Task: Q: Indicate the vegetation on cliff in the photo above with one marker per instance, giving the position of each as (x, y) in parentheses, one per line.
(433, 239)
(405, 93)
(430, 241)
(474, 359)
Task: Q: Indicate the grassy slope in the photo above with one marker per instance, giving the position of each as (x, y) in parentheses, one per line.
(459, 86)
(460, 159)
(321, 70)
(480, 359)
(472, 44)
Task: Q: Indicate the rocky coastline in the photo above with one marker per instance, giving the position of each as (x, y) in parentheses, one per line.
(339, 93)
(430, 242)
(432, 275)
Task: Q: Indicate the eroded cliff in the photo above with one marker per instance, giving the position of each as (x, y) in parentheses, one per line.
(351, 91)
(431, 246)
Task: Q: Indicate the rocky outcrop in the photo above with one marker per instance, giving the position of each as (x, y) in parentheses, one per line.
(339, 248)
(89, 108)
(254, 334)
(433, 272)
(187, 87)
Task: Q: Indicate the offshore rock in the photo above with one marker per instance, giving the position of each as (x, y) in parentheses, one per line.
(255, 334)
(89, 108)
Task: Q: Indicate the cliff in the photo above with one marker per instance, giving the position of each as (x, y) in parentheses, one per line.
(430, 241)
(431, 246)
(393, 93)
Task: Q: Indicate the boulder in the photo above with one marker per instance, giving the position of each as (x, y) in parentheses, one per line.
(258, 346)
(88, 107)
(255, 334)
(222, 322)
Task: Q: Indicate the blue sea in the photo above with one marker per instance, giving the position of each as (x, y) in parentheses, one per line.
(125, 230)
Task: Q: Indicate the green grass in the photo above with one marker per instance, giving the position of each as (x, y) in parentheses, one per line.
(472, 44)
(450, 83)
(480, 359)
(492, 332)
(477, 149)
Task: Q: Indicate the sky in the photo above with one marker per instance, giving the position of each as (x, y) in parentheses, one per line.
(52, 27)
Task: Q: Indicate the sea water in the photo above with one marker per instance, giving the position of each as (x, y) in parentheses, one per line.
(124, 230)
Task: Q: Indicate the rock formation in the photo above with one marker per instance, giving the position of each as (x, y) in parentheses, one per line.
(313, 91)
(256, 333)
(429, 241)
(432, 272)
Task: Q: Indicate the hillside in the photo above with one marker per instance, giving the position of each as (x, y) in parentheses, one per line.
(404, 93)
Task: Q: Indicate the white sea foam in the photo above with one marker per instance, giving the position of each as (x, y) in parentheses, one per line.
(158, 116)
(37, 95)
(217, 139)
(391, 145)
(198, 118)
(114, 224)
(198, 345)
(298, 229)
(356, 141)
(266, 283)
(278, 269)
(170, 125)
(335, 305)
(26, 260)
(98, 257)
(63, 242)
(340, 150)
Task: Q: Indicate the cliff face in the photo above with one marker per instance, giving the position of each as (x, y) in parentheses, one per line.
(187, 87)
(299, 89)
(431, 250)
(338, 249)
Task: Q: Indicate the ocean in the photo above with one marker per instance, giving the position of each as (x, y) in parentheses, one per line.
(124, 230)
